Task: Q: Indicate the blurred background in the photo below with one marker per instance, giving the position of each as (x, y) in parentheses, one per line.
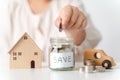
(105, 15)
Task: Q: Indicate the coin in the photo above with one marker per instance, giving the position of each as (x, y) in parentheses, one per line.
(91, 63)
(89, 69)
(60, 27)
(82, 69)
(100, 69)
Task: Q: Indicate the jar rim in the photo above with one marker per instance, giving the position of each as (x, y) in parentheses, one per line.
(61, 40)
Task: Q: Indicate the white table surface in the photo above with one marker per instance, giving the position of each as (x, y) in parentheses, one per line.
(45, 73)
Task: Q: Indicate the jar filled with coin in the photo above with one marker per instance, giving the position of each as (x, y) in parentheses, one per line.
(61, 54)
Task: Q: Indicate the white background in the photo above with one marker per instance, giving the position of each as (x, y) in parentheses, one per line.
(105, 15)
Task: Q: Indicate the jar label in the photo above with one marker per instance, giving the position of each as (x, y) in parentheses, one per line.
(60, 60)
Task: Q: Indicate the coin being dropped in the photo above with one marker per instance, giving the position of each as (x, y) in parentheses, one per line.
(60, 27)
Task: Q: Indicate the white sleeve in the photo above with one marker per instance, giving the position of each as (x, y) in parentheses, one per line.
(6, 33)
(93, 36)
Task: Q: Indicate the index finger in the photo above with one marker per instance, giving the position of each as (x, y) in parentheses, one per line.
(65, 15)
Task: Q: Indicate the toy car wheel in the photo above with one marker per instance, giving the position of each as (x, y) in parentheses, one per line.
(107, 64)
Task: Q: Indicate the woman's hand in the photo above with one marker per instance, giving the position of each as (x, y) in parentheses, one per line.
(73, 22)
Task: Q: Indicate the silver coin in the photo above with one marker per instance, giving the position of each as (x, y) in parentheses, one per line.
(100, 69)
(89, 69)
(82, 69)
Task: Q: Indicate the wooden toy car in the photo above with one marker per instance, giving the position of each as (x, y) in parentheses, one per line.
(100, 58)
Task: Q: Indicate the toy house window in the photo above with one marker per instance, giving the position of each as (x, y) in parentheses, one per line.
(19, 53)
(14, 58)
(14, 53)
(25, 37)
(35, 53)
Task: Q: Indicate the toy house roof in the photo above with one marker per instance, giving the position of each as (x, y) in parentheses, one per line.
(25, 34)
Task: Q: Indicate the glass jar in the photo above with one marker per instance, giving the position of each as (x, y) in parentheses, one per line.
(61, 54)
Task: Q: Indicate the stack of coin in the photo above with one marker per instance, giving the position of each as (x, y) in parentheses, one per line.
(82, 69)
(89, 69)
(100, 69)
(90, 66)
(91, 63)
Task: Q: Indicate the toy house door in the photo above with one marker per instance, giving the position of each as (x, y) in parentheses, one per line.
(32, 64)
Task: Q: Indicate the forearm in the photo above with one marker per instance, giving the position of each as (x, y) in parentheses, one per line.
(79, 38)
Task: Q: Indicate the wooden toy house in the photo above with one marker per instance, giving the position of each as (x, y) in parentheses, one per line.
(25, 54)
